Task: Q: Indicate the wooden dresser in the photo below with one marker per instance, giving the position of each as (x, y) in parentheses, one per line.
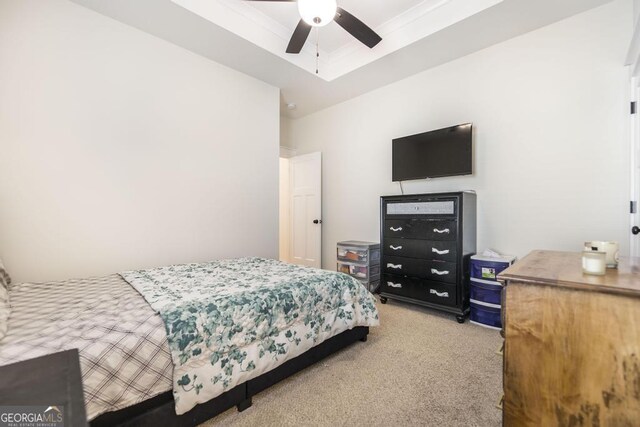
(572, 343)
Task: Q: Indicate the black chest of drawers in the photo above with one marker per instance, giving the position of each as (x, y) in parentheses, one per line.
(426, 242)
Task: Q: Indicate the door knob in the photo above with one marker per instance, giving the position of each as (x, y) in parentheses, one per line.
(317, 221)
(635, 229)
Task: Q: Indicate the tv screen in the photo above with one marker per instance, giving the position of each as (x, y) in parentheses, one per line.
(442, 152)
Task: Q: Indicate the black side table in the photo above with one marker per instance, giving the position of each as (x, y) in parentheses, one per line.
(52, 382)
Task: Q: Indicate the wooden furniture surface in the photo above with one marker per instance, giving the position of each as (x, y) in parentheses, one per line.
(572, 343)
(51, 380)
(564, 269)
(426, 242)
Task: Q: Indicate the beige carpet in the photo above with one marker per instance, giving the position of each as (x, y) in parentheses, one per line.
(418, 367)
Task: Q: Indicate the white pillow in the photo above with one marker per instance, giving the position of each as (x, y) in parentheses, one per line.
(5, 309)
(5, 279)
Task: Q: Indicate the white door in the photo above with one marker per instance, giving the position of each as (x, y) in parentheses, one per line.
(305, 174)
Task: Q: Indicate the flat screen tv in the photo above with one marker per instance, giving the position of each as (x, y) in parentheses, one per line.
(439, 153)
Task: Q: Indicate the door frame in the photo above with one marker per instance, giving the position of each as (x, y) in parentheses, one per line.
(634, 173)
(284, 220)
(632, 61)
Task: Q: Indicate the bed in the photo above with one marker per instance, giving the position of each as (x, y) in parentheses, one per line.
(133, 364)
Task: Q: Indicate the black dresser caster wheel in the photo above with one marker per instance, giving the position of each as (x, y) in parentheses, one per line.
(460, 319)
(383, 300)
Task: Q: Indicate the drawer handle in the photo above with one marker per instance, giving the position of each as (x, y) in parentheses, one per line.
(395, 229)
(395, 248)
(439, 273)
(443, 252)
(396, 266)
(443, 231)
(439, 294)
(394, 285)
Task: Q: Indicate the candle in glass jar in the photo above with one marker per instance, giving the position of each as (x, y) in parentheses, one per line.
(594, 263)
(610, 248)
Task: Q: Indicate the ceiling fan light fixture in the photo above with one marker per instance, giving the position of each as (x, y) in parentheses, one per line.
(317, 13)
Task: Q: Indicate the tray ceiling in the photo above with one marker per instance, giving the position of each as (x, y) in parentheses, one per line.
(252, 38)
(400, 23)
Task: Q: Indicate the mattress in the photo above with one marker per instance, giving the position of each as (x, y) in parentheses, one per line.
(124, 354)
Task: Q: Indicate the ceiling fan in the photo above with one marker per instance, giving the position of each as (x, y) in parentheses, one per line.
(318, 13)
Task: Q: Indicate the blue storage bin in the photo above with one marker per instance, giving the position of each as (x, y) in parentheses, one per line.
(488, 268)
(485, 314)
(486, 291)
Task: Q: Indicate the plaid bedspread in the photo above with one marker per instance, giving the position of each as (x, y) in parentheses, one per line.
(124, 354)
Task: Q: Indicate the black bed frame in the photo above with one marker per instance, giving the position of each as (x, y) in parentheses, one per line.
(160, 410)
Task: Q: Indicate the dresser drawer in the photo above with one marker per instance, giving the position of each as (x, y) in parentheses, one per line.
(442, 250)
(421, 229)
(401, 266)
(441, 271)
(419, 289)
(433, 207)
(441, 230)
(411, 248)
(397, 285)
(439, 293)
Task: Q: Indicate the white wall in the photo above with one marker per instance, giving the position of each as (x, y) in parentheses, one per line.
(550, 115)
(119, 150)
(285, 138)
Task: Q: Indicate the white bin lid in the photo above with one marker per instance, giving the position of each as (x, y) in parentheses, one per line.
(505, 258)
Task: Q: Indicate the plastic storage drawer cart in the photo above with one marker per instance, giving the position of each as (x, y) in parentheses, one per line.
(486, 291)
(360, 260)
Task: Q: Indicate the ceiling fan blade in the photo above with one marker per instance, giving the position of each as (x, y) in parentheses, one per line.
(299, 37)
(357, 28)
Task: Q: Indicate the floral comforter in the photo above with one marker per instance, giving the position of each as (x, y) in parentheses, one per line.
(230, 321)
